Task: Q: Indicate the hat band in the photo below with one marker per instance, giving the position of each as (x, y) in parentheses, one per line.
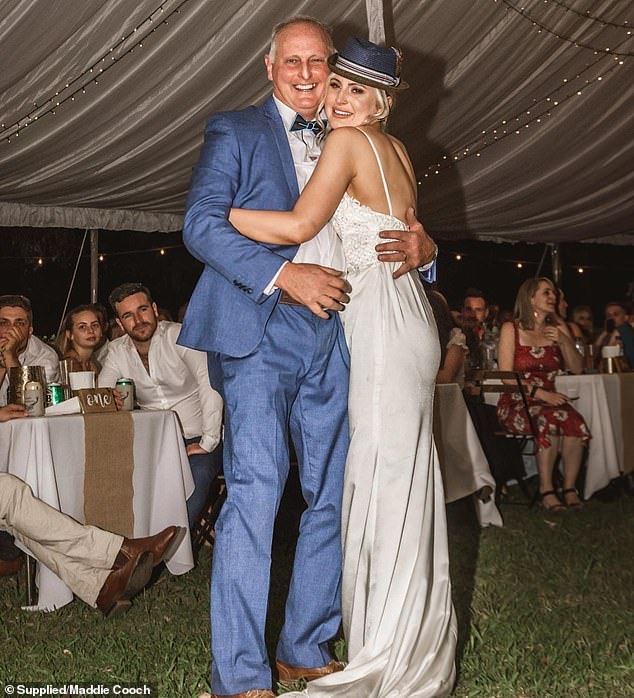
(365, 72)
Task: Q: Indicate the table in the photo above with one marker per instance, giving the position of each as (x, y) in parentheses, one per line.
(600, 401)
(48, 454)
(464, 467)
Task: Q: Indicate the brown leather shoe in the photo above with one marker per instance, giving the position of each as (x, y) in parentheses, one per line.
(123, 583)
(160, 545)
(253, 693)
(288, 672)
(8, 567)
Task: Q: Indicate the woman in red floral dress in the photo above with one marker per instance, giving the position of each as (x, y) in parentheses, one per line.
(538, 344)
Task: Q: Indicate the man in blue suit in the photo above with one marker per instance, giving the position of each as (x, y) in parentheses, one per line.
(267, 316)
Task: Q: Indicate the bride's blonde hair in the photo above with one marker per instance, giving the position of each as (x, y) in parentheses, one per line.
(384, 109)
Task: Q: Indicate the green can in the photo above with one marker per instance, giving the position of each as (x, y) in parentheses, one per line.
(54, 393)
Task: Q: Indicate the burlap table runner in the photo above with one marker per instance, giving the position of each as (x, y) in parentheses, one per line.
(626, 386)
(108, 491)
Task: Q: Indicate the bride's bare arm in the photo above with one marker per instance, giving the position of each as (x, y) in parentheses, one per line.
(314, 208)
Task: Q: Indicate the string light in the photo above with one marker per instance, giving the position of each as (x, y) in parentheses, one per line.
(542, 107)
(458, 257)
(77, 85)
(102, 255)
(580, 270)
(519, 265)
(587, 15)
(522, 12)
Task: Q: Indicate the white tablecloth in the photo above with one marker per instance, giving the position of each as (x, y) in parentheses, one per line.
(464, 466)
(48, 454)
(599, 404)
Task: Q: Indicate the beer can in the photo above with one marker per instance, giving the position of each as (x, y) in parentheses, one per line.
(126, 387)
(54, 393)
(34, 399)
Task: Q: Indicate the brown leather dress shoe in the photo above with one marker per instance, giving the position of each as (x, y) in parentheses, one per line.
(160, 545)
(8, 567)
(123, 583)
(288, 672)
(253, 693)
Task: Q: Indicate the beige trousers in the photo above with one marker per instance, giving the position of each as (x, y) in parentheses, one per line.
(82, 556)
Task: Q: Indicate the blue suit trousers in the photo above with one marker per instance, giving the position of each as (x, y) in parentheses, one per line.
(297, 380)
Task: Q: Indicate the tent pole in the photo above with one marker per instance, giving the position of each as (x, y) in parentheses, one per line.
(94, 264)
(556, 263)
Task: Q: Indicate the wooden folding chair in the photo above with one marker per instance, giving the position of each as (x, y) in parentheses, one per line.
(480, 382)
(203, 530)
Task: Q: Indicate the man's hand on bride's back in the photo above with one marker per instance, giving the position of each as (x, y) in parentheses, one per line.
(413, 247)
(318, 288)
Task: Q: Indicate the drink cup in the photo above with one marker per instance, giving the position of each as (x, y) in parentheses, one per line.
(81, 379)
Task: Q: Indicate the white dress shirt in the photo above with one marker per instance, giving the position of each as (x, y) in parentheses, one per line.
(37, 353)
(178, 380)
(325, 248)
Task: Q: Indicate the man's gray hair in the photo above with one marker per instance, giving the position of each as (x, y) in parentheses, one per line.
(300, 19)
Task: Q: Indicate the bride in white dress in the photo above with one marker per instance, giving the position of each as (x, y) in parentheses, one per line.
(398, 617)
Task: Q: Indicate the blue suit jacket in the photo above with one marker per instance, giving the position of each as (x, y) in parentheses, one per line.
(245, 162)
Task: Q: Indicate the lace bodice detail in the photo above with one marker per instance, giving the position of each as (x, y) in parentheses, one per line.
(358, 226)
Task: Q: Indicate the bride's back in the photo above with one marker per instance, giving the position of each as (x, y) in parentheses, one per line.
(367, 185)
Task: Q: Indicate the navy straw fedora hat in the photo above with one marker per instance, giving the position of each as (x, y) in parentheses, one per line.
(369, 64)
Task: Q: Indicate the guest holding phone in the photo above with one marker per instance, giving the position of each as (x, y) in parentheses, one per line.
(617, 331)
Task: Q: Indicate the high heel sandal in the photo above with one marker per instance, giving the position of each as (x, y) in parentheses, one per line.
(553, 507)
(577, 503)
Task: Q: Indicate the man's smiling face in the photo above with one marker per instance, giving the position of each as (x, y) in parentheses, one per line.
(299, 68)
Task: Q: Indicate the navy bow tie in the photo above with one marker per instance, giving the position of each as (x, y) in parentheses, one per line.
(300, 124)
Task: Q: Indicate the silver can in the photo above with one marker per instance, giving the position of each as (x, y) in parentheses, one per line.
(125, 386)
(34, 399)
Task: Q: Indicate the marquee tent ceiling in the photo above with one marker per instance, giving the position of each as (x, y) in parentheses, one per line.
(519, 119)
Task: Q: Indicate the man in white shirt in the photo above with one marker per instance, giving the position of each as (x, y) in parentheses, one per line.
(18, 345)
(167, 377)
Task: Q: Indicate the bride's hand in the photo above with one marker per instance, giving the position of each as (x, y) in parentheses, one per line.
(413, 247)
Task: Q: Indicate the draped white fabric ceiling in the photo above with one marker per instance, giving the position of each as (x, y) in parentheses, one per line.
(118, 150)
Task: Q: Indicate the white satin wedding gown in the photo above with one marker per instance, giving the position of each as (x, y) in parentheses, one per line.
(398, 616)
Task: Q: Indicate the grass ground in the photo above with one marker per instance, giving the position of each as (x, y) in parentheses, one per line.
(545, 607)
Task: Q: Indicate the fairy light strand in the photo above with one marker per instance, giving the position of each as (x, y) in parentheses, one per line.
(514, 124)
(588, 15)
(522, 12)
(77, 85)
(40, 260)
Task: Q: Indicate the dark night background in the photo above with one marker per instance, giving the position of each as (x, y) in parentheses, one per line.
(132, 256)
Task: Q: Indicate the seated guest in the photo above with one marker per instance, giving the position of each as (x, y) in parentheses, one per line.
(102, 346)
(453, 347)
(103, 569)
(167, 376)
(617, 330)
(473, 316)
(584, 347)
(562, 311)
(538, 344)
(582, 315)
(79, 336)
(18, 345)
(114, 330)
